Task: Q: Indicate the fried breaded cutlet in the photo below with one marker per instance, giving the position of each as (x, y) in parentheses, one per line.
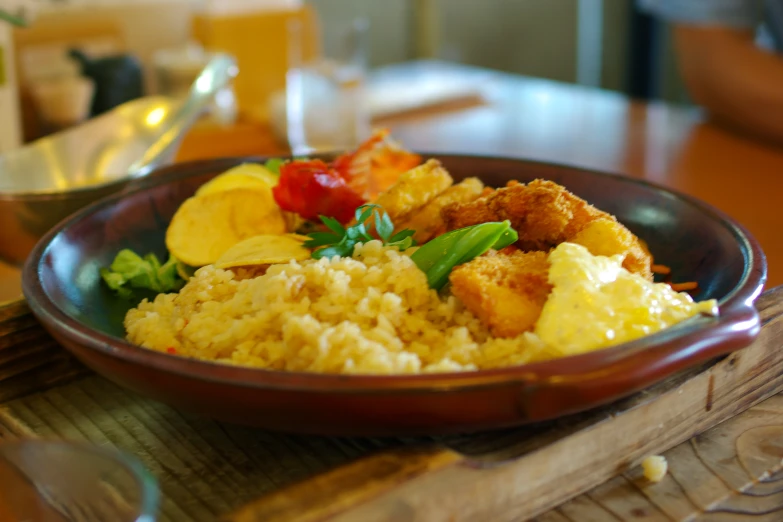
(505, 291)
(545, 214)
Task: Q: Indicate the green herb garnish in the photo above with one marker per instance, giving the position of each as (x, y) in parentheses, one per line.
(273, 165)
(435, 258)
(438, 257)
(340, 241)
(130, 271)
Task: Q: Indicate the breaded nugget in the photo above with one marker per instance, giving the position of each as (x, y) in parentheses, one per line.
(461, 215)
(545, 214)
(607, 237)
(427, 221)
(414, 189)
(507, 292)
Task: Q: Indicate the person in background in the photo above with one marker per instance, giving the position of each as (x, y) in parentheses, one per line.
(729, 55)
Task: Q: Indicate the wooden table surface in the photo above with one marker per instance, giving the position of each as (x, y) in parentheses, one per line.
(720, 426)
(547, 121)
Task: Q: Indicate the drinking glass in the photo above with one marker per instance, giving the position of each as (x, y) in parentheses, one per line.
(325, 100)
(60, 481)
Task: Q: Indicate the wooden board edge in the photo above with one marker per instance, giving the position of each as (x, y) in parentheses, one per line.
(341, 489)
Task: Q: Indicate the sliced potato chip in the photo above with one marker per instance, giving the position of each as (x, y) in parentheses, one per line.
(204, 227)
(244, 175)
(264, 250)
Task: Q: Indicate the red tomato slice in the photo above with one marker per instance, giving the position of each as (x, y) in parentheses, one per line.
(313, 188)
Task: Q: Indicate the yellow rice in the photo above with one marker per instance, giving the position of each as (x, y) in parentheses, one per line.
(373, 313)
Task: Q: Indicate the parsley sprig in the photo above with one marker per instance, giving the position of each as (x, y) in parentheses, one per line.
(340, 241)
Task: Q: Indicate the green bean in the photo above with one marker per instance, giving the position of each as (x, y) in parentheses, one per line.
(438, 257)
(434, 250)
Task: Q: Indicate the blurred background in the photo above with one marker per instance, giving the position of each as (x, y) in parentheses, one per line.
(92, 91)
(78, 58)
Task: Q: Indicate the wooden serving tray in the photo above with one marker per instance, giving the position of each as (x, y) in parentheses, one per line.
(210, 470)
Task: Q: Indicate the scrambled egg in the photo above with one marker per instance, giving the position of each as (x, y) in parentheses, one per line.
(596, 303)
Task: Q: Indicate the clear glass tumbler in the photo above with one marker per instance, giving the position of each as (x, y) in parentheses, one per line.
(325, 100)
(59, 481)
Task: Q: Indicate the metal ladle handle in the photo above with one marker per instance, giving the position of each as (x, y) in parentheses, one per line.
(216, 75)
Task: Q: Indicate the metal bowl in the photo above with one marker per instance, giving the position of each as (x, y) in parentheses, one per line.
(46, 181)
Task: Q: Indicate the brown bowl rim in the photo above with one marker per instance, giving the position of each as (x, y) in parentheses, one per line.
(736, 309)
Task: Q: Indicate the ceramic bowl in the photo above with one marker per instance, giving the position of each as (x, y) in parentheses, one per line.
(64, 290)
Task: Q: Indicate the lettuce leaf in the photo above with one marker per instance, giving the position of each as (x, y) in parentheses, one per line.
(130, 271)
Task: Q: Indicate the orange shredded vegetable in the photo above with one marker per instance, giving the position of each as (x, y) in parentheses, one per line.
(661, 269)
(684, 287)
